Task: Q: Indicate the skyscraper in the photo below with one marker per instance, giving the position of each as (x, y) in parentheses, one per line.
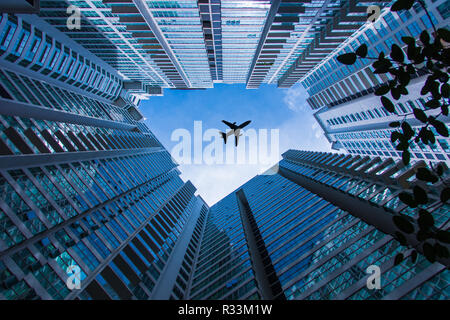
(87, 189)
(343, 99)
(193, 44)
(298, 35)
(309, 229)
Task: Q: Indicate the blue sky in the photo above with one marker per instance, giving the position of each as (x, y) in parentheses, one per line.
(268, 107)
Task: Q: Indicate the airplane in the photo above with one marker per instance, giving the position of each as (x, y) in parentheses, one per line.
(235, 129)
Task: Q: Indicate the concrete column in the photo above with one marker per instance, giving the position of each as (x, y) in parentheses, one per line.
(166, 281)
(265, 275)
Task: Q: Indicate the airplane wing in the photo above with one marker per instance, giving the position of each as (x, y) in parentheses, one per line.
(224, 136)
(244, 124)
(232, 126)
(236, 140)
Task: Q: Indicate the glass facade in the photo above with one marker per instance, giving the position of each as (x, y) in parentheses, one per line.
(223, 268)
(87, 189)
(337, 269)
(193, 44)
(351, 116)
(331, 83)
(312, 246)
(91, 197)
(293, 35)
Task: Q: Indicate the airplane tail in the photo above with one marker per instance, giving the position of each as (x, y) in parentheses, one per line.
(224, 136)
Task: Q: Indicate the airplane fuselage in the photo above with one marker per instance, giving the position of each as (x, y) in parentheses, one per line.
(236, 132)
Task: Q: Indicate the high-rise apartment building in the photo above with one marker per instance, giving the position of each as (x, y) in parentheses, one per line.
(352, 117)
(85, 184)
(193, 44)
(309, 229)
(300, 34)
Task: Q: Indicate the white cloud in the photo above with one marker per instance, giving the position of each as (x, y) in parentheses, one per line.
(295, 98)
(302, 132)
(214, 182)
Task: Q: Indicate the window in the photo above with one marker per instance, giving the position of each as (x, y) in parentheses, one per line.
(444, 145)
(401, 33)
(371, 36)
(380, 48)
(391, 21)
(377, 113)
(33, 48)
(444, 10)
(404, 15)
(7, 34)
(414, 29)
(389, 42)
